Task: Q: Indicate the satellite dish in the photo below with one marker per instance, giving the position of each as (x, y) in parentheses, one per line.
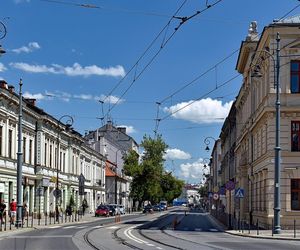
(2, 30)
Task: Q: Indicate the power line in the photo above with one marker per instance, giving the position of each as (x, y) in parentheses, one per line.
(165, 41)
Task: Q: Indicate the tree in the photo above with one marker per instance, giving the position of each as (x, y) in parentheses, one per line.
(171, 187)
(146, 182)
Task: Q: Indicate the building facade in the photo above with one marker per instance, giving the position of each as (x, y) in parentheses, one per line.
(50, 150)
(250, 161)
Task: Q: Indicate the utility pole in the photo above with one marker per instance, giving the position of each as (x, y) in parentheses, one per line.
(277, 228)
(19, 161)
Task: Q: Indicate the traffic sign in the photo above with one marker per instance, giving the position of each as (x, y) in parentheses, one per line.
(210, 194)
(57, 193)
(230, 185)
(222, 191)
(239, 193)
(216, 196)
(216, 189)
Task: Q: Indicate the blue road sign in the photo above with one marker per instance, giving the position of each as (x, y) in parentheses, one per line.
(239, 193)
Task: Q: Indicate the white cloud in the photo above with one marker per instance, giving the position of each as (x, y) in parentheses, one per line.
(110, 99)
(27, 49)
(84, 97)
(38, 96)
(202, 111)
(129, 129)
(2, 67)
(194, 171)
(75, 70)
(21, 1)
(176, 154)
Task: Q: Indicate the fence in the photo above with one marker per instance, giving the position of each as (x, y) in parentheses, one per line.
(31, 220)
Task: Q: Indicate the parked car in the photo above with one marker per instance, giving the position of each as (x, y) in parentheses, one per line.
(116, 208)
(122, 209)
(158, 207)
(112, 210)
(148, 209)
(164, 204)
(102, 211)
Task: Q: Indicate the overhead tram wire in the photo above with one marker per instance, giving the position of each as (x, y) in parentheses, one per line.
(183, 20)
(207, 71)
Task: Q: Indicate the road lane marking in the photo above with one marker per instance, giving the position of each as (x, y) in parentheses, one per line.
(128, 236)
(55, 227)
(39, 236)
(159, 248)
(150, 245)
(213, 230)
(113, 227)
(69, 227)
(82, 226)
(97, 226)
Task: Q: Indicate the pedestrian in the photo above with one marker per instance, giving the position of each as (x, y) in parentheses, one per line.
(13, 211)
(2, 211)
(84, 206)
(24, 211)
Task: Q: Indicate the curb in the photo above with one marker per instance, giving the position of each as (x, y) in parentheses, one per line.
(261, 237)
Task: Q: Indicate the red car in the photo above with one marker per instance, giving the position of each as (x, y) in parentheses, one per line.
(102, 211)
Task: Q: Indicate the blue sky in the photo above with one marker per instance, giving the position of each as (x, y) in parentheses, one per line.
(70, 57)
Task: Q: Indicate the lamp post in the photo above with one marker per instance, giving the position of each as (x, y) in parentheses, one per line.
(19, 161)
(69, 123)
(277, 206)
(207, 141)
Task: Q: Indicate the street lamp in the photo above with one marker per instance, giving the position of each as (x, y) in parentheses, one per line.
(68, 124)
(207, 141)
(277, 227)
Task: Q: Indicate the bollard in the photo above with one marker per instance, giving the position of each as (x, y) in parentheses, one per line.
(27, 222)
(72, 217)
(272, 228)
(239, 225)
(243, 223)
(39, 218)
(45, 219)
(65, 217)
(10, 223)
(54, 218)
(257, 228)
(175, 222)
(294, 228)
(32, 219)
(49, 218)
(5, 222)
(62, 217)
(249, 228)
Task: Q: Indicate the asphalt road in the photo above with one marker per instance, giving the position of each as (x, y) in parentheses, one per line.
(196, 230)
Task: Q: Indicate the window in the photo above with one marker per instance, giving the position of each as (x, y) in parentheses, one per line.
(64, 163)
(295, 194)
(60, 160)
(45, 156)
(1, 140)
(24, 149)
(295, 76)
(10, 143)
(30, 151)
(295, 135)
(50, 163)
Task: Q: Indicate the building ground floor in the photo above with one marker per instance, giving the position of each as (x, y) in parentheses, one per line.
(40, 197)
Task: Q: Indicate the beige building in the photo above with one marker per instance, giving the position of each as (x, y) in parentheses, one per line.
(248, 142)
(49, 150)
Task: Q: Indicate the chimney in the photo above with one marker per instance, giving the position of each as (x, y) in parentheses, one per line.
(3, 84)
(11, 88)
(122, 129)
(31, 101)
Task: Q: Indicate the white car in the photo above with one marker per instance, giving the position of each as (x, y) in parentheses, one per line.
(116, 207)
(122, 209)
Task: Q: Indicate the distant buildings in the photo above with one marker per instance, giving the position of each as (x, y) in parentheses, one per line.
(247, 139)
(114, 143)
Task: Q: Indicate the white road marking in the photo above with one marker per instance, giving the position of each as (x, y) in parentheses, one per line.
(69, 227)
(55, 227)
(113, 227)
(213, 230)
(97, 226)
(198, 229)
(159, 248)
(128, 236)
(82, 226)
(150, 245)
(39, 236)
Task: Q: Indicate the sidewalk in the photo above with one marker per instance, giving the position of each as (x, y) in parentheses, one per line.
(46, 222)
(266, 234)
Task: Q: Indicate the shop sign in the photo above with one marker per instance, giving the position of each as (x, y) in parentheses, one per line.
(2, 187)
(30, 182)
(45, 182)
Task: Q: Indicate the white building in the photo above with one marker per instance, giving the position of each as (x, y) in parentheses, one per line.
(43, 137)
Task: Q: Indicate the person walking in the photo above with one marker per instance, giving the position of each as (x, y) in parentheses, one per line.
(24, 212)
(13, 211)
(2, 211)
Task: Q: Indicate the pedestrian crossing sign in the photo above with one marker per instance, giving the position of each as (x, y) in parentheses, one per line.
(239, 193)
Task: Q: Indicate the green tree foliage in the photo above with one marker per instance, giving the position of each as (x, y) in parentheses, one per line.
(149, 180)
(203, 191)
